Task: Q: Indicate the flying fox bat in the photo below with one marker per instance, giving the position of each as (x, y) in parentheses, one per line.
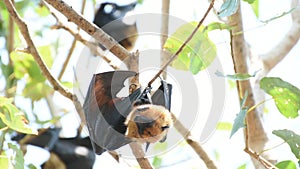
(110, 16)
(75, 153)
(106, 113)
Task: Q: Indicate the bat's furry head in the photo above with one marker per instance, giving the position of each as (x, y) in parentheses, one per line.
(148, 123)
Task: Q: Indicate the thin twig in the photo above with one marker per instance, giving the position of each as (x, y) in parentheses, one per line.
(32, 49)
(66, 62)
(183, 45)
(71, 50)
(261, 159)
(164, 32)
(274, 56)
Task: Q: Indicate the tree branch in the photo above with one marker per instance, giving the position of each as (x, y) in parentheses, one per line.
(193, 143)
(140, 155)
(164, 32)
(94, 48)
(33, 51)
(274, 56)
(97, 33)
(174, 56)
(11, 33)
(255, 136)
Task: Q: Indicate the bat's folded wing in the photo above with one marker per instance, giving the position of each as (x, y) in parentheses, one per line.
(105, 113)
(163, 95)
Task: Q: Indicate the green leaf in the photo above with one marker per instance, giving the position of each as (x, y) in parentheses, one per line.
(46, 54)
(249, 1)
(217, 25)
(25, 64)
(160, 146)
(224, 126)
(228, 8)
(239, 121)
(199, 52)
(31, 166)
(285, 95)
(5, 161)
(36, 90)
(288, 164)
(242, 166)
(237, 76)
(255, 8)
(13, 117)
(42, 11)
(140, 1)
(69, 85)
(291, 138)
(18, 157)
(157, 162)
(8, 72)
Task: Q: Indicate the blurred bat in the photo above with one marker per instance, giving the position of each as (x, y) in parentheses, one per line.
(106, 113)
(75, 153)
(109, 18)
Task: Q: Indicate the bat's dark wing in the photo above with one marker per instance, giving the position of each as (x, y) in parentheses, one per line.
(45, 139)
(163, 95)
(76, 153)
(106, 113)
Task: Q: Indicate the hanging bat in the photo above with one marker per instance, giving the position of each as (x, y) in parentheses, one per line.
(109, 17)
(106, 113)
(75, 153)
(150, 122)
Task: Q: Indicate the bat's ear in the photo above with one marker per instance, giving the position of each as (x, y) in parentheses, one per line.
(141, 102)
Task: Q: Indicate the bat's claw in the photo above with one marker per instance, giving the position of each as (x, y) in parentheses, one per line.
(147, 146)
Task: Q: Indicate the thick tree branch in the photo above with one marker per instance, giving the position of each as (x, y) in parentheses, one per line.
(97, 33)
(33, 51)
(136, 148)
(279, 51)
(255, 137)
(270, 59)
(140, 155)
(94, 48)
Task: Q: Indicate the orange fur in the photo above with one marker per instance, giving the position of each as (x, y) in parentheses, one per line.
(161, 118)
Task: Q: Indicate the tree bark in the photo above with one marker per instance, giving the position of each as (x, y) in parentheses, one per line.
(255, 136)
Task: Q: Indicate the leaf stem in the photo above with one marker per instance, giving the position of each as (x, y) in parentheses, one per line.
(260, 103)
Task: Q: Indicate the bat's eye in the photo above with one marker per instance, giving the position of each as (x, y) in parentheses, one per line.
(150, 134)
(164, 128)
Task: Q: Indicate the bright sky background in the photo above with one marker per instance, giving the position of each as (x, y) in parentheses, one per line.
(261, 38)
